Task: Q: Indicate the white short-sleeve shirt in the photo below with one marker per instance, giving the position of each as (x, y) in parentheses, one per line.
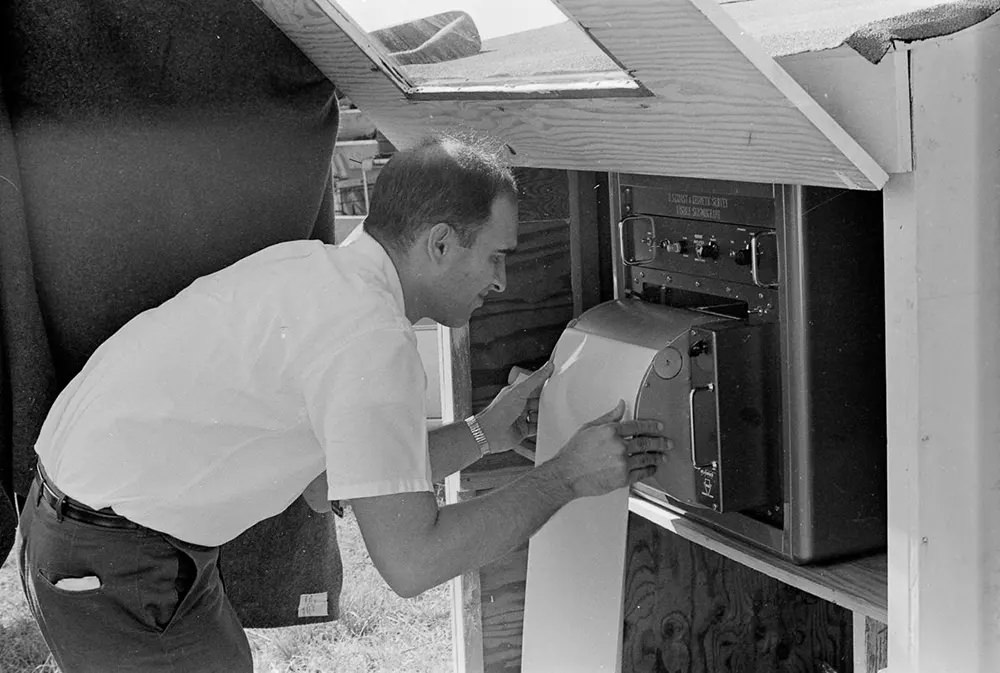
(213, 411)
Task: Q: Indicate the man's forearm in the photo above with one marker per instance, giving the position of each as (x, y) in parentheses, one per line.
(505, 517)
(452, 448)
(472, 533)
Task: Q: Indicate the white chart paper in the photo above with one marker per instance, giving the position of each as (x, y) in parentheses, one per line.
(576, 561)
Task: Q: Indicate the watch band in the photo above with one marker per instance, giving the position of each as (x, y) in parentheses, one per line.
(478, 434)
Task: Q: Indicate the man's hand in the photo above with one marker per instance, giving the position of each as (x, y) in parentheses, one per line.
(607, 453)
(513, 414)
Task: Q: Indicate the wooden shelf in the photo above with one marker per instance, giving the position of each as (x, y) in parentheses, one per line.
(860, 585)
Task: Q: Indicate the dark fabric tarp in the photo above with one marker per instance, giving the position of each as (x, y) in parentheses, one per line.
(150, 144)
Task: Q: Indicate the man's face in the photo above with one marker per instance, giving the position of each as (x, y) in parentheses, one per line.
(475, 271)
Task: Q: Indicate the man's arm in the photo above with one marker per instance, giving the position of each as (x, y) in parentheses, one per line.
(416, 545)
(451, 448)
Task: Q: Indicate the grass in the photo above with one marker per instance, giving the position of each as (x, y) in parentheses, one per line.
(378, 632)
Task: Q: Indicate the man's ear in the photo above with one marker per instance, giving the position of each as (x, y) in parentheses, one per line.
(440, 239)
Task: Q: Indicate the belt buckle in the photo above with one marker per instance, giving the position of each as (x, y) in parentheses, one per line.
(59, 498)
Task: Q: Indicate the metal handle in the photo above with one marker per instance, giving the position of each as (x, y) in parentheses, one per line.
(621, 240)
(694, 456)
(753, 259)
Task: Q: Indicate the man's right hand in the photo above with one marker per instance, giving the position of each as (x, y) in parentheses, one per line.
(607, 453)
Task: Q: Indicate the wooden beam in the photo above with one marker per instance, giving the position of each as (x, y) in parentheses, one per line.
(870, 644)
(871, 102)
(943, 364)
(585, 272)
(679, 44)
(722, 108)
(456, 403)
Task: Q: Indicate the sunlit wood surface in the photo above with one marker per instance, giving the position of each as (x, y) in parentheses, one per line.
(722, 108)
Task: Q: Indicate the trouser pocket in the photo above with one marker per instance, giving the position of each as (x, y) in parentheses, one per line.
(79, 570)
(159, 604)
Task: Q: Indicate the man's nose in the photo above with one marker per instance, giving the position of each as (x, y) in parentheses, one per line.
(500, 278)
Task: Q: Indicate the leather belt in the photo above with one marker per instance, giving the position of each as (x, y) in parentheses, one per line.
(66, 506)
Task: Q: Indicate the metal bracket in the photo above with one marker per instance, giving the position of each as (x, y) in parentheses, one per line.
(754, 252)
(650, 240)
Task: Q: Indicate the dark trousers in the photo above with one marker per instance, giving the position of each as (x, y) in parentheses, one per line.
(159, 606)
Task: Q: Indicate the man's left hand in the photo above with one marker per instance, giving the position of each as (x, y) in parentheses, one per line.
(512, 416)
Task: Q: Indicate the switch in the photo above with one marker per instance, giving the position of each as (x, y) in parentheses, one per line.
(742, 257)
(675, 247)
(707, 249)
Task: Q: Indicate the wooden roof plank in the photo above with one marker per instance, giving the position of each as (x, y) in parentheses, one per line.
(716, 112)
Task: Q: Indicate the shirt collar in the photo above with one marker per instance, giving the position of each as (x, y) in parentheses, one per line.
(363, 243)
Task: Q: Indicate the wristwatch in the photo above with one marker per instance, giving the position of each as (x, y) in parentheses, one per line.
(478, 434)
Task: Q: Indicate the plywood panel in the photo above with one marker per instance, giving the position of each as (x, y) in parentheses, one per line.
(502, 591)
(522, 324)
(722, 108)
(690, 610)
(499, 589)
(544, 195)
(857, 584)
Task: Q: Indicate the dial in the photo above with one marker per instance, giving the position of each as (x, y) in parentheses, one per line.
(742, 257)
(707, 249)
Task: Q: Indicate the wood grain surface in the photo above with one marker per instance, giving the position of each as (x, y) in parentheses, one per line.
(690, 610)
(521, 325)
(721, 107)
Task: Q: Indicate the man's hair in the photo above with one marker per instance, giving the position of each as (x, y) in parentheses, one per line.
(446, 178)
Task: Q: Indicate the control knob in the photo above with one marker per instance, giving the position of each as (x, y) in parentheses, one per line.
(707, 249)
(742, 257)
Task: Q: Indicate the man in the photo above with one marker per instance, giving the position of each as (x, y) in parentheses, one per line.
(217, 409)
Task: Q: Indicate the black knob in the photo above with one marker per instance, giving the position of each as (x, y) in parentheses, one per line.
(742, 257)
(707, 250)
